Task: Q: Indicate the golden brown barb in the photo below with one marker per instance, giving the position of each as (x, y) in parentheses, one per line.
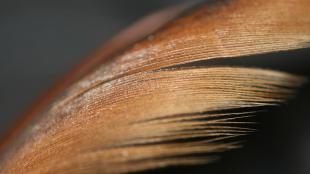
(136, 112)
(119, 125)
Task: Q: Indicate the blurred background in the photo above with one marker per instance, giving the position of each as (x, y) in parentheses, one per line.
(41, 40)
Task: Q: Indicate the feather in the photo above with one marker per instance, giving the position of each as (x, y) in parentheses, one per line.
(120, 124)
(139, 111)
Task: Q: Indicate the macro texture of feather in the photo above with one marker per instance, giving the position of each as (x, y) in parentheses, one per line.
(139, 111)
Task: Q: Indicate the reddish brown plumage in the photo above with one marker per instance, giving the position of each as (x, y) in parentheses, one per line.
(118, 118)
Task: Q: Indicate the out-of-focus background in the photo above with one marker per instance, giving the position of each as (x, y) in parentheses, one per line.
(41, 40)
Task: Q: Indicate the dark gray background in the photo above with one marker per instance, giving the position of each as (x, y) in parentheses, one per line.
(41, 40)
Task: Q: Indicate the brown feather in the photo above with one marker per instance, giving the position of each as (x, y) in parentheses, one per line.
(136, 112)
